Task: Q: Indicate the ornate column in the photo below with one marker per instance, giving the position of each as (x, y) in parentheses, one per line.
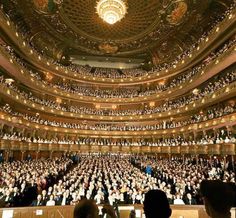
(232, 159)
(6, 155)
(22, 155)
(51, 152)
(37, 155)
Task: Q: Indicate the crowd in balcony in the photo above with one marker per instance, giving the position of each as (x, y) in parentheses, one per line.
(132, 92)
(210, 87)
(82, 90)
(138, 92)
(211, 113)
(113, 179)
(219, 137)
(116, 179)
(115, 73)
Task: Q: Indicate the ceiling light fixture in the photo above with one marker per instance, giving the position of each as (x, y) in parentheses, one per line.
(111, 11)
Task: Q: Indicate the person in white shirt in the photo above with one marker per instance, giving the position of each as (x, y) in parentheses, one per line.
(111, 198)
(227, 139)
(139, 198)
(51, 201)
(99, 197)
(178, 200)
(64, 198)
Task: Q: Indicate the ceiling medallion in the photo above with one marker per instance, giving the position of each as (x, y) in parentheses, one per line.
(111, 11)
(108, 48)
(47, 6)
(176, 12)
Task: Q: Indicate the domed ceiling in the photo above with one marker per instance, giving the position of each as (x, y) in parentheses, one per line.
(161, 27)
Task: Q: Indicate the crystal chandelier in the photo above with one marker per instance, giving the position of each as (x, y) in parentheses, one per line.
(111, 11)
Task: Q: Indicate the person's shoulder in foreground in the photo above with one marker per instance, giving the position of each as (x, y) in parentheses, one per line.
(156, 205)
(218, 198)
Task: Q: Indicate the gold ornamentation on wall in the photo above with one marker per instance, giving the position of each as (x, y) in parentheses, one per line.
(108, 48)
(46, 6)
(41, 4)
(177, 12)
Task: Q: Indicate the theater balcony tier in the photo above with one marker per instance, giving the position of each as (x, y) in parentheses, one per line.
(210, 99)
(22, 74)
(21, 123)
(212, 149)
(218, 35)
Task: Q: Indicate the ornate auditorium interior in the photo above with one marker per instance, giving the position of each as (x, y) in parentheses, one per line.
(107, 99)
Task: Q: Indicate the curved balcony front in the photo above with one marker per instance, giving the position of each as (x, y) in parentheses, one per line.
(208, 149)
(227, 120)
(219, 95)
(223, 61)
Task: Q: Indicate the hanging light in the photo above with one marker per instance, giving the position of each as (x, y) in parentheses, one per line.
(111, 11)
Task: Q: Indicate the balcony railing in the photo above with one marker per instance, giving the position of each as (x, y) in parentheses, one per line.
(228, 120)
(222, 62)
(209, 149)
(220, 94)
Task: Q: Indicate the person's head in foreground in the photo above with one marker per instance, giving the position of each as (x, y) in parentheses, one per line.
(86, 209)
(89, 209)
(156, 205)
(218, 198)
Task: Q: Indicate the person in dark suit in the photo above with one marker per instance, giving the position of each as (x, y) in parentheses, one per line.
(45, 197)
(37, 202)
(32, 190)
(128, 198)
(1, 158)
(30, 193)
(16, 198)
(64, 199)
(7, 199)
(23, 193)
(188, 188)
(190, 200)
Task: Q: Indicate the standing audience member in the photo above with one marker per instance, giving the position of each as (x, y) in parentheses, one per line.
(1, 158)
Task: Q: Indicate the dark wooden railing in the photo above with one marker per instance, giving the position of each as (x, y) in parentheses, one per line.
(178, 211)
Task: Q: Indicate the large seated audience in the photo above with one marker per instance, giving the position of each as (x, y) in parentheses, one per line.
(183, 176)
(113, 179)
(88, 179)
(211, 113)
(21, 181)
